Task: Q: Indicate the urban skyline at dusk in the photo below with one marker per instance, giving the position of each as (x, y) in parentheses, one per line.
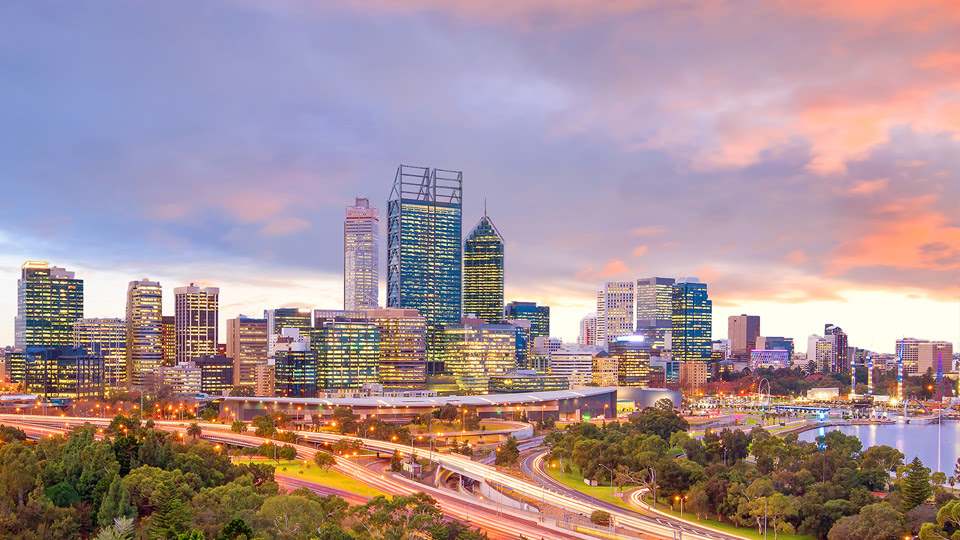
(805, 194)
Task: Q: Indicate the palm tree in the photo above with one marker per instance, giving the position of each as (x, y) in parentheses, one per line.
(194, 430)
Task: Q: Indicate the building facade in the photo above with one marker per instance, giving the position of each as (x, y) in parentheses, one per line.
(144, 332)
(403, 347)
(615, 305)
(539, 316)
(49, 301)
(633, 360)
(216, 374)
(575, 363)
(692, 322)
(247, 345)
(588, 330)
(361, 256)
(935, 357)
(654, 300)
(769, 358)
(776, 343)
(347, 347)
(196, 321)
(474, 350)
(483, 257)
(63, 372)
(169, 339)
(280, 318)
(908, 350)
(106, 338)
(840, 355)
(743, 331)
(526, 380)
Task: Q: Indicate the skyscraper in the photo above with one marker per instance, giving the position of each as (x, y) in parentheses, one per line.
(49, 301)
(347, 346)
(655, 310)
(743, 331)
(361, 260)
(403, 347)
(907, 350)
(106, 338)
(247, 346)
(539, 317)
(474, 350)
(692, 321)
(424, 247)
(615, 304)
(63, 372)
(169, 340)
(197, 310)
(588, 330)
(840, 355)
(144, 331)
(483, 272)
(280, 318)
(633, 360)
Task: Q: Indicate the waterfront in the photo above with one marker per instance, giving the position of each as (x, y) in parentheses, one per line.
(914, 440)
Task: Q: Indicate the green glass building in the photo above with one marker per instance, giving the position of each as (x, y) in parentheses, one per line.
(348, 351)
(49, 301)
(483, 272)
(692, 322)
(424, 248)
(539, 317)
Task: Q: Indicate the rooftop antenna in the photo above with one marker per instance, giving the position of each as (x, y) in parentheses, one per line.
(484, 207)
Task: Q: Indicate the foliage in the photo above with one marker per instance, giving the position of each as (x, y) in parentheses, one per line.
(238, 426)
(879, 521)
(599, 517)
(346, 420)
(324, 460)
(264, 426)
(915, 487)
(507, 453)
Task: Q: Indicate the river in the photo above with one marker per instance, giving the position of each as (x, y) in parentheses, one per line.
(914, 440)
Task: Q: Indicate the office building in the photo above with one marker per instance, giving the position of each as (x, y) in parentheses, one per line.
(526, 380)
(14, 365)
(347, 346)
(524, 343)
(539, 316)
(605, 370)
(295, 364)
(196, 321)
(144, 332)
(615, 305)
(840, 356)
(265, 383)
(64, 373)
(361, 256)
(654, 300)
(247, 345)
(216, 374)
(169, 340)
(776, 343)
(935, 357)
(633, 360)
(743, 331)
(588, 330)
(819, 354)
(574, 362)
(483, 272)
(769, 359)
(691, 328)
(474, 350)
(908, 350)
(403, 347)
(183, 378)
(106, 338)
(49, 301)
(280, 318)
(693, 375)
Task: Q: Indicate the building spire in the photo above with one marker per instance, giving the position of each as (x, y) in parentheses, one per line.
(484, 207)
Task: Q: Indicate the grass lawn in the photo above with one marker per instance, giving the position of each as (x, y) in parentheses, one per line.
(313, 473)
(575, 481)
(663, 506)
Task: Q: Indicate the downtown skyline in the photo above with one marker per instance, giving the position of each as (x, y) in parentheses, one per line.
(803, 220)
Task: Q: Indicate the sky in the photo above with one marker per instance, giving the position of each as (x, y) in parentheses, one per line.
(803, 158)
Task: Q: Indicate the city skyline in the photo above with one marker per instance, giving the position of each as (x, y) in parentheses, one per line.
(839, 207)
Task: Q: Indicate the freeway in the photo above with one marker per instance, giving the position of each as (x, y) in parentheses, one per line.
(499, 523)
(533, 465)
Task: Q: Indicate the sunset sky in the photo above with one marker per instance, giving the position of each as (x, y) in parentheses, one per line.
(803, 158)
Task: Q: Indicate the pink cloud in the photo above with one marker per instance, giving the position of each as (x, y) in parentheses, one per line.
(284, 226)
(640, 250)
(868, 187)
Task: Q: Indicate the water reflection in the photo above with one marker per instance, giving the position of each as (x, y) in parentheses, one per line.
(914, 440)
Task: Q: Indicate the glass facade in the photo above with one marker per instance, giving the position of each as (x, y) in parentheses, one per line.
(348, 352)
(280, 318)
(169, 339)
(216, 374)
(247, 345)
(197, 310)
(361, 261)
(692, 323)
(106, 338)
(295, 373)
(483, 272)
(144, 333)
(15, 362)
(49, 301)
(526, 380)
(63, 372)
(475, 350)
(403, 347)
(424, 248)
(539, 317)
(633, 360)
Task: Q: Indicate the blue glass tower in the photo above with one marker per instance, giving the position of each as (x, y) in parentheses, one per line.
(424, 247)
(692, 321)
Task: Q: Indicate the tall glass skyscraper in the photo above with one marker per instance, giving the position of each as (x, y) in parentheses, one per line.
(197, 310)
(424, 248)
(483, 272)
(144, 331)
(280, 318)
(106, 338)
(692, 321)
(361, 261)
(49, 301)
(539, 317)
(347, 346)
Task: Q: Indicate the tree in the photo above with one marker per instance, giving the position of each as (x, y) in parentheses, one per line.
(396, 462)
(214, 506)
(194, 430)
(120, 529)
(237, 529)
(599, 517)
(290, 516)
(346, 420)
(879, 521)
(659, 422)
(915, 487)
(238, 426)
(399, 517)
(664, 404)
(264, 426)
(116, 504)
(508, 453)
(172, 516)
(11, 434)
(324, 460)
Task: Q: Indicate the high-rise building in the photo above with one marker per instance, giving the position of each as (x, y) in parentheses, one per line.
(819, 354)
(655, 299)
(633, 360)
(403, 347)
(247, 345)
(575, 362)
(935, 356)
(907, 350)
(197, 310)
(361, 256)
(524, 343)
(216, 374)
(425, 250)
(265, 384)
(144, 333)
(182, 378)
(605, 370)
(63, 372)
(280, 318)
(693, 375)
(840, 356)
(776, 343)
(615, 304)
(14, 364)
(347, 346)
(691, 328)
(743, 331)
(473, 350)
(483, 272)
(169, 340)
(106, 338)
(49, 301)
(295, 368)
(588, 330)
(539, 316)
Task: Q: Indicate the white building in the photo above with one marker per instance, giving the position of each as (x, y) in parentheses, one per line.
(361, 274)
(196, 321)
(575, 362)
(819, 353)
(588, 330)
(615, 305)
